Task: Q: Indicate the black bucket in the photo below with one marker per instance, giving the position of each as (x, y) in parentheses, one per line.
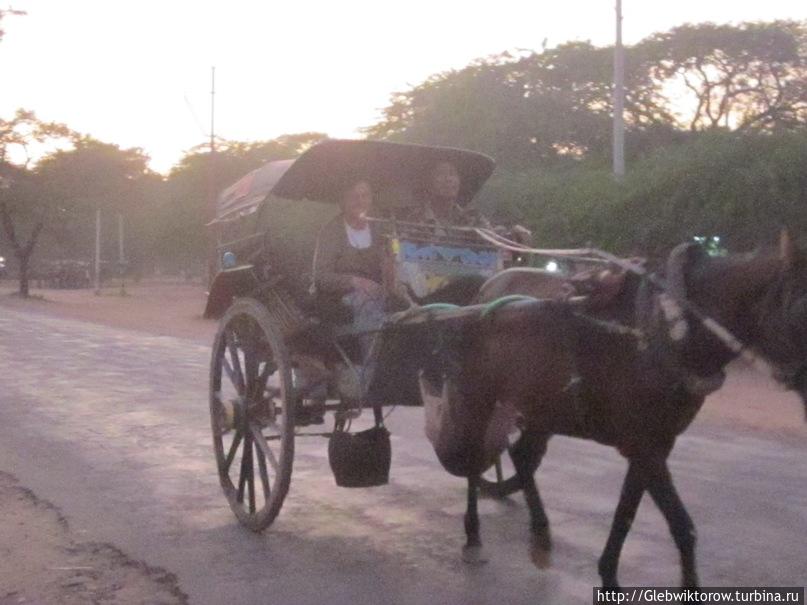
(360, 459)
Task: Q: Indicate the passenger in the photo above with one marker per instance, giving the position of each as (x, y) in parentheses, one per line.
(348, 263)
(440, 199)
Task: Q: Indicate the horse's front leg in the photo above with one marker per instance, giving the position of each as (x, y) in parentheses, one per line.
(472, 551)
(527, 454)
(663, 492)
(632, 491)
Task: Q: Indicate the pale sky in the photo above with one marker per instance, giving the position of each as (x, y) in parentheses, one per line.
(137, 73)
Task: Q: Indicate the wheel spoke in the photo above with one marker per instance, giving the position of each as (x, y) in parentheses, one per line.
(233, 449)
(250, 366)
(264, 474)
(246, 459)
(228, 369)
(260, 440)
(261, 380)
(251, 481)
(235, 373)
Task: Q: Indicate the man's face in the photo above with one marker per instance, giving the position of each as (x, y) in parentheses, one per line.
(446, 181)
(357, 200)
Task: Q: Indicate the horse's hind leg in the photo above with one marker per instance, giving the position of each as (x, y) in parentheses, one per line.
(527, 454)
(632, 491)
(472, 551)
(663, 492)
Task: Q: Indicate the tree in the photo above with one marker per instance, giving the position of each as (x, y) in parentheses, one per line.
(92, 176)
(22, 209)
(555, 105)
(537, 107)
(191, 187)
(749, 76)
(5, 13)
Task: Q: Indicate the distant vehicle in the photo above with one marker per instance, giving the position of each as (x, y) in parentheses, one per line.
(2, 267)
(63, 274)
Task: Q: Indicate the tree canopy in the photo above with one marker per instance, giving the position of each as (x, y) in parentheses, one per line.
(717, 142)
(556, 104)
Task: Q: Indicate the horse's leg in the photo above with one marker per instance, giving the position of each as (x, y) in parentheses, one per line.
(663, 492)
(632, 491)
(472, 551)
(527, 454)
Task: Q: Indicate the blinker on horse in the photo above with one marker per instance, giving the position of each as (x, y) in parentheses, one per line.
(560, 370)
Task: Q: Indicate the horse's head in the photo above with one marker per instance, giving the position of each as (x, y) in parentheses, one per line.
(760, 298)
(783, 318)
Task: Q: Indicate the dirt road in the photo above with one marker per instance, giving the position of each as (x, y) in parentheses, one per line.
(111, 427)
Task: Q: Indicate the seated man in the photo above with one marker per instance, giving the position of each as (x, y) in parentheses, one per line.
(440, 205)
(439, 202)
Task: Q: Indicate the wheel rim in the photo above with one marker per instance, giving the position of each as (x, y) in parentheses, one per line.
(252, 418)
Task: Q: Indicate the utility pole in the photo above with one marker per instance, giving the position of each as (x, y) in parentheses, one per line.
(212, 264)
(98, 252)
(619, 98)
(121, 256)
(212, 111)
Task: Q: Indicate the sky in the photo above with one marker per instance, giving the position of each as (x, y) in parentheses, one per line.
(138, 73)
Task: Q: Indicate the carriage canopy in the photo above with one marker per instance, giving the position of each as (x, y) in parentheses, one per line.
(323, 171)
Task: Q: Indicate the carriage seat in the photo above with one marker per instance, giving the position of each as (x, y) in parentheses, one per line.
(327, 308)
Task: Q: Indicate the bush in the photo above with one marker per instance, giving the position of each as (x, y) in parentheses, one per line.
(741, 187)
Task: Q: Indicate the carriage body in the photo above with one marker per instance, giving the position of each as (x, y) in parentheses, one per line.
(281, 348)
(270, 219)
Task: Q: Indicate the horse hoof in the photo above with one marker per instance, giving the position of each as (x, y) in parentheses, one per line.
(541, 557)
(474, 555)
(541, 548)
(691, 583)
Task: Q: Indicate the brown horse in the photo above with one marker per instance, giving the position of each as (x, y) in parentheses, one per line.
(630, 371)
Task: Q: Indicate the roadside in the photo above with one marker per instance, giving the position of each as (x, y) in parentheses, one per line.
(159, 307)
(44, 562)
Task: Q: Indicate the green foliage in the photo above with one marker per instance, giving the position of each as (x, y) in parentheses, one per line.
(188, 197)
(92, 174)
(716, 143)
(740, 187)
(554, 105)
(521, 110)
(24, 130)
(24, 209)
(753, 75)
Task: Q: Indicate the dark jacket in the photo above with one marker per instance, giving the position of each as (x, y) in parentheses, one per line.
(336, 261)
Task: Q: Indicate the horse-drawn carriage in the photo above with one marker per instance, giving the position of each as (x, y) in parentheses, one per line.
(285, 354)
(627, 365)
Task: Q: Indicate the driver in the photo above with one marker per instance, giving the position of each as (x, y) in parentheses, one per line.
(440, 205)
(440, 200)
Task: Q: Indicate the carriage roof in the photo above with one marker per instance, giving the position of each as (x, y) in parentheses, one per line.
(328, 167)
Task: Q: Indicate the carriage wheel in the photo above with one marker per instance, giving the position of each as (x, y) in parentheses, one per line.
(500, 480)
(252, 413)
